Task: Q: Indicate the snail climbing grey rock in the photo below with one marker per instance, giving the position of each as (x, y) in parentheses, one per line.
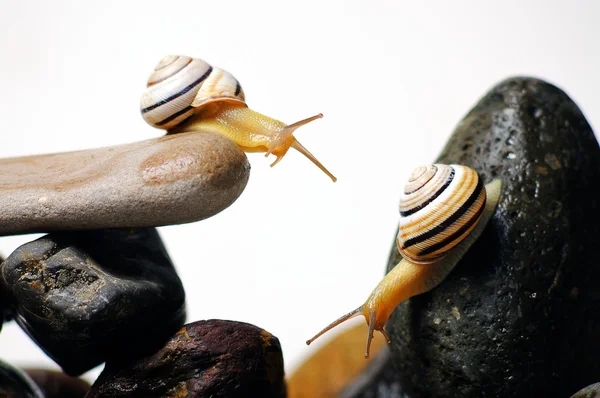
(187, 94)
(443, 210)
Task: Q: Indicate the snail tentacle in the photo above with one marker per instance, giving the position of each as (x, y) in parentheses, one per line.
(343, 318)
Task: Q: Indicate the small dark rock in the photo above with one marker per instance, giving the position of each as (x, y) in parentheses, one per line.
(57, 384)
(592, 391)
(211, 358)
(84, 297)
(520, 315)
(14, 383)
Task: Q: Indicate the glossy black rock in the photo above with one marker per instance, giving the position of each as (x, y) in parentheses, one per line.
(213, 358)
(15, 383)
(519, 315)
(88, 296)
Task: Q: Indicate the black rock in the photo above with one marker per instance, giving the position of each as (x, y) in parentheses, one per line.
(520, 314)
(16, 384)
(84, 297)
(211, 358)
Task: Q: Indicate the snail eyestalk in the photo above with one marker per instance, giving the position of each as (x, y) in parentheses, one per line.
(284, 139)
(281, 138)
(333, 324)
(370, 314)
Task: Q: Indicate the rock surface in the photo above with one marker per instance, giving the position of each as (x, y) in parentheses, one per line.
(211, 358)
(518, 317)
(592, 391)
(84, 297)
(55, 384)
(168, 180)
(15, 383)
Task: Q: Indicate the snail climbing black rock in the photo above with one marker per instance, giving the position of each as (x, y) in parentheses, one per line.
(443, 210)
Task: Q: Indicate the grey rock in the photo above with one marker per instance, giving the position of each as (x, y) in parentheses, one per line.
(15, 383)
(168, 180)
(519, 315)
(85, 297)
(213, 358)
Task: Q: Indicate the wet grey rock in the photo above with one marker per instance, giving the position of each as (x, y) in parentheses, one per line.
(14, 383)
(519, 316)
(168, 180)
(213, 358)
(88, 296)
(592, 391)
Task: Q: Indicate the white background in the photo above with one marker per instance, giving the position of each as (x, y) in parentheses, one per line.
(392, 78)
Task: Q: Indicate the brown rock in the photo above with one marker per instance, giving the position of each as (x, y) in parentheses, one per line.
(213, 358)
(56, 384)
(168, 180)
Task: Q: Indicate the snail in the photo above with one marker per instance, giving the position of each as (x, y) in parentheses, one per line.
(443, 210)
(187, 94)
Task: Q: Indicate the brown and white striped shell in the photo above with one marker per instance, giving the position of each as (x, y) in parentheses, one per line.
(180, 86)
(440, 206)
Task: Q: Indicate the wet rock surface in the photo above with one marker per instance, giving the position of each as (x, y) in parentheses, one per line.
(213, 358)
(55, 384)
(519, 315)
(15, 383)
(85, 297)
(168, 180)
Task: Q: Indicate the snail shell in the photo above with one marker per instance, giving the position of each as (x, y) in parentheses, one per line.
(440, 205)
(181, 86)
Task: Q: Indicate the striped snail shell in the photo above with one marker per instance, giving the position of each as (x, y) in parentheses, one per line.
(180, 86)
(440, 205)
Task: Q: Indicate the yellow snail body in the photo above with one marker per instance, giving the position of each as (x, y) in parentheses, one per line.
(443, 211)
(188, 95)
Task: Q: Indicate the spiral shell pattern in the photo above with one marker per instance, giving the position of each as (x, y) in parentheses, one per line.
(180, 86)
(440, 205)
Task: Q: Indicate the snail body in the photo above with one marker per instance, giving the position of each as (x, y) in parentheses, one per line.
(443, 211)
(188, 95)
